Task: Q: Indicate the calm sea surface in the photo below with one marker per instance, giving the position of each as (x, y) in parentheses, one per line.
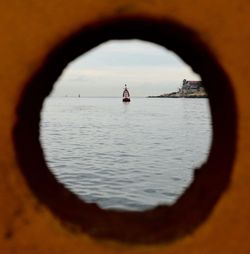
(125, 156)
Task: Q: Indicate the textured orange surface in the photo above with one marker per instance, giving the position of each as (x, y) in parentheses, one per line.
(29, 31)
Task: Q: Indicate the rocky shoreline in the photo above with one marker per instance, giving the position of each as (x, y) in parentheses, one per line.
(180, 95)
(189, 89)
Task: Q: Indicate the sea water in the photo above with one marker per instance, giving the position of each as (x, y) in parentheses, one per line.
(130, 156)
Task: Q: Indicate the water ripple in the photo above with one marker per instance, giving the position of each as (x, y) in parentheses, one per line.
(125, 156)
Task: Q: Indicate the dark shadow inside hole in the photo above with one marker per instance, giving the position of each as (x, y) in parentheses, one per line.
(165, 223)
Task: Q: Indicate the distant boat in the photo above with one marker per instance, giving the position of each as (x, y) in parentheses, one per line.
(126, 95)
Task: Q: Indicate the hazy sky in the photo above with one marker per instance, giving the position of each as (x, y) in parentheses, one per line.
(146, 68)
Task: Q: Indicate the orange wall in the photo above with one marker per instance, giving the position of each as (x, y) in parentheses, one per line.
(29, 31)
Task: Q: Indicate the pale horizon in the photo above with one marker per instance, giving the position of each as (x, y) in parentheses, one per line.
(146, 68)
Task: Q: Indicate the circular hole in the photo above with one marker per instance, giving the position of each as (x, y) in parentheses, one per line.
(164, 223)
(126, 156)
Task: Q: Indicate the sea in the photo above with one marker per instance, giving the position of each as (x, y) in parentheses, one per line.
(125, 156)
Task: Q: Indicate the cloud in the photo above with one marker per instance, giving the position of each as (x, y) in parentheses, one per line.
(142, 65)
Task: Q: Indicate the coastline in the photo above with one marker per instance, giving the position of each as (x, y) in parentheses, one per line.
(189, 89)
(181, 95)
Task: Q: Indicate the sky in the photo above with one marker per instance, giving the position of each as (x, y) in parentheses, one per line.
(146, 68)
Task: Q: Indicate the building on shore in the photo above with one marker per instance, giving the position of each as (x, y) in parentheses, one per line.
(191, 87)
